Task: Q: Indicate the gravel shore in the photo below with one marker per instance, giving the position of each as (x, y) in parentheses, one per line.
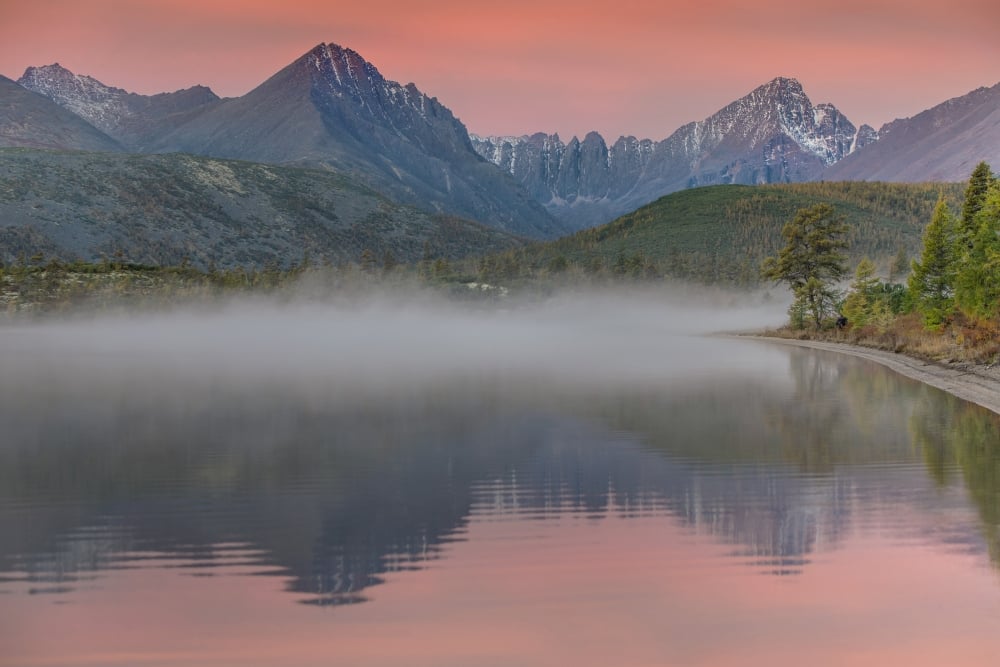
(978, 384)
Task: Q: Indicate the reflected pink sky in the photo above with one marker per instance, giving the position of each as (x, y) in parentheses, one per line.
(639, 67)
(572, 591)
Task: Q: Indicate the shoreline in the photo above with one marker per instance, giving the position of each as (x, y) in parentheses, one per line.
(977, 384)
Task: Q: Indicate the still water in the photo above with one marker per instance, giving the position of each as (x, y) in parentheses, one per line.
(674, 500)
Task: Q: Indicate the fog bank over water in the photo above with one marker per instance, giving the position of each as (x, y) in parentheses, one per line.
(385, 341)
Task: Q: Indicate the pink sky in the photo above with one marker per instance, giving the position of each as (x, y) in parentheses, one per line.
(641, 67)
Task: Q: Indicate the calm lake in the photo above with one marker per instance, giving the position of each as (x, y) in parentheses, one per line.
(584, 486)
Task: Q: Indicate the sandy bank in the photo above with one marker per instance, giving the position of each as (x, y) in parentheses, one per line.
(975, 383)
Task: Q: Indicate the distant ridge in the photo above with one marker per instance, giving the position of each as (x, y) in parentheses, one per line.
(943, 143)
(774, 134)
(132, 120)
(32, 120)
(331, 109)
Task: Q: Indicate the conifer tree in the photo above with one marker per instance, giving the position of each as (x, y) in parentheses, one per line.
(975, 194)
(859, 307)
(811, 262)
(932, 279)
(977, 283)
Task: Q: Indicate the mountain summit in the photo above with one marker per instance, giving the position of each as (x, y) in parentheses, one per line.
(133, 120)
(776, 118)
(773, 134)
(28, 119)
(332, 108)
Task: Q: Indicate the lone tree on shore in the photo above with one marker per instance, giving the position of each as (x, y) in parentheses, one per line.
(811, 262)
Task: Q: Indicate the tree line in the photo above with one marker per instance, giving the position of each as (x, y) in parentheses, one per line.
(954, 285)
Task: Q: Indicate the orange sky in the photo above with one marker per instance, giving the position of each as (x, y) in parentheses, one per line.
(640, 67)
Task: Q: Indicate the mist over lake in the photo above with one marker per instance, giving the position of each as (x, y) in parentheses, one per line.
(587, 480)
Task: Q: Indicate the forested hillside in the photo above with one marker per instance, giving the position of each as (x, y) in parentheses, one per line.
(721, 234)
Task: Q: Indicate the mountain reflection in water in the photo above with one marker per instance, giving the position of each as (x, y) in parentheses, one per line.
(331, 494)
(443, 489)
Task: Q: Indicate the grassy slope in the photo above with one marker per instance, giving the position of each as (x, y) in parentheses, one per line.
(167, 209)
(723, 233)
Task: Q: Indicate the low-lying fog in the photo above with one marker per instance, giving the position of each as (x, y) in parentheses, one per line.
(389, 341)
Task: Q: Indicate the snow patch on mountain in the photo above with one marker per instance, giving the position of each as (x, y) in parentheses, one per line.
(772, 134)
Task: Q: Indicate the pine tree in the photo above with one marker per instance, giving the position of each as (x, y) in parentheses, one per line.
(975, 194)
(977, 284)
(859, 307)
(811, 262)
(932, 279)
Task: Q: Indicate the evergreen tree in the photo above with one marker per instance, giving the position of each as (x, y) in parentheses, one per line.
(859, 307)
(975, 194)
(932, 279)
(811, 262)
(977, 284)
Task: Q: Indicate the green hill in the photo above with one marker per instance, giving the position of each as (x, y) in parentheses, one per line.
(721, 234)
(175, 208)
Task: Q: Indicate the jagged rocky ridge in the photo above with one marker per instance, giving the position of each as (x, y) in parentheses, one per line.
(772, 135)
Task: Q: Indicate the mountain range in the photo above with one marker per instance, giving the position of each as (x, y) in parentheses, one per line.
(332, 110)
(772, 135)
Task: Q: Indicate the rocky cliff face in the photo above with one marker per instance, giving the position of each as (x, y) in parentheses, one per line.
(579, 181)
(772, 135)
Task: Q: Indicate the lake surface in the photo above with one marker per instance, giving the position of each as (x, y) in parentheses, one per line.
(633, 497)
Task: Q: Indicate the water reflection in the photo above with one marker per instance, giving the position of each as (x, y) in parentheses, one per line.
(955, 434)
(333, 493)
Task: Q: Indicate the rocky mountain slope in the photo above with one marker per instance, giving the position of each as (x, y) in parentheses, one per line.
(772, 135)
(333, 110)
(329, 109)
(944, 143)
(164, 209)
(33, 120)
(132, 120)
